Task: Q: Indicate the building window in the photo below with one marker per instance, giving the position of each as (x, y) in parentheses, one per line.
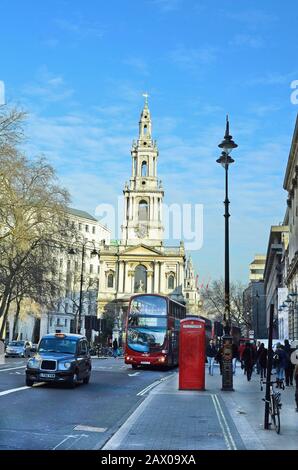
(65, 322)
(61, 263)
(187, 296)
(171, 281)
(80, 226)
(51, 321)
(68, 264)
(143, 210)
(144, 169)
(86, 228)
(91, 268)
(110, 280)
(93, 230)
(140, 278)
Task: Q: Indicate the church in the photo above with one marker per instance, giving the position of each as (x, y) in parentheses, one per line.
(140, 262)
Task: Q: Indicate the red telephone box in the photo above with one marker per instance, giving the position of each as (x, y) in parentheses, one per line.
(192, 354)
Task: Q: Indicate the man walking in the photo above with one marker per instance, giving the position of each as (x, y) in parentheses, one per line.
(211, 353)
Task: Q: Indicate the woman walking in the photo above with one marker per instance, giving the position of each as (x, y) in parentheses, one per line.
(248, 357)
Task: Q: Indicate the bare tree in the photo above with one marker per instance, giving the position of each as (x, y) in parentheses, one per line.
(214, 303)
(32, 217)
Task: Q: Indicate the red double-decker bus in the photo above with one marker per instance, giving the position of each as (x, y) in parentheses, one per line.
(152, 330)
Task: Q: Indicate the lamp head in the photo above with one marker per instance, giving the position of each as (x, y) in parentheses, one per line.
(227, 145)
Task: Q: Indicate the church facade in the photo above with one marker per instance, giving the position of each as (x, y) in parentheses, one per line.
(140, 262)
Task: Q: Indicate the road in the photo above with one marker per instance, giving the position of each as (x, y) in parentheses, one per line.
(50, 416)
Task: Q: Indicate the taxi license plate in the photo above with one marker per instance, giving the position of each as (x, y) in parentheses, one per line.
(47, 376)
(145, 362)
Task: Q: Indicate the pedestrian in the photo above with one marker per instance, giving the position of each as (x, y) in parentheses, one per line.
(262, 358)
(296, 380)
(258, 367)
(280, 363)
(115, 348)
(211, 353)
(218, 358)
(289, 370)
(235, 356)
(248, 358)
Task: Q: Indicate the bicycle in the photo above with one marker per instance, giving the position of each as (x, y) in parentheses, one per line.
(274, 404)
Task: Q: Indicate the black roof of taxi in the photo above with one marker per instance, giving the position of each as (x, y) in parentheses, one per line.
(64, 335)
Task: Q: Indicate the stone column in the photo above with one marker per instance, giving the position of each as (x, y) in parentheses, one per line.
(120, 280)
(150, 282)
(156, 277)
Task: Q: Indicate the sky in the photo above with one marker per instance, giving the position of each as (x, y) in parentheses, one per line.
(80, 68)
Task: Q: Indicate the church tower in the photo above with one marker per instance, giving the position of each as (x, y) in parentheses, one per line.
(143, 196)
(190, 290)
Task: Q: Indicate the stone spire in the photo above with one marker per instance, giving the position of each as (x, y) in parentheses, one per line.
(144, 194)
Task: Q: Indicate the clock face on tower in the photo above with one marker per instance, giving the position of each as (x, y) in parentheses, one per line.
(141, 230)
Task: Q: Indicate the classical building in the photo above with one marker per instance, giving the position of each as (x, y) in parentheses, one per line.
(257, 267)
(140, 262)
(274, 278)
(291, 219)
(71, 263)
(192, 296)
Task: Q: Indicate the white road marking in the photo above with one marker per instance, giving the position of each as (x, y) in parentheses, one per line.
(81, 427)
(230, 443)
(133, 375)
(12, 368)
(154, 384)
(64, 440)
(19, 389)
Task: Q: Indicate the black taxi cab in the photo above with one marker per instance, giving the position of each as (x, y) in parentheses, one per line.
(60, 357)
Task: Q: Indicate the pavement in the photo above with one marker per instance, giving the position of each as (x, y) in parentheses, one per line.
(172, 419)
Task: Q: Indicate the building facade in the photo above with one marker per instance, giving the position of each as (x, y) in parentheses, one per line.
(72, 264)
(274, 274)
(291, 219)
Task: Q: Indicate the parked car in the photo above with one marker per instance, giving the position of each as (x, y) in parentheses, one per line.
(18, 348)
(60, 357)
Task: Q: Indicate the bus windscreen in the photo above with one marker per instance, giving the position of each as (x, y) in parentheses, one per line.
(148, 305)
(146, 339)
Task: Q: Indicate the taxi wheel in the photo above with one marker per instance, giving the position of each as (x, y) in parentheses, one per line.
(29, 382)
(86, 379)
(134, 366)
(74, 381)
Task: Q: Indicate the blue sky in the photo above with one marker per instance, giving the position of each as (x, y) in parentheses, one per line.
(80, 68)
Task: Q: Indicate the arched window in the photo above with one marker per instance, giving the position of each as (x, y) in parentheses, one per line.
(145, 129)
(171, 281)
(141, 278)
(187, 296)
(143, 210)
(110, 280)
(144, 169)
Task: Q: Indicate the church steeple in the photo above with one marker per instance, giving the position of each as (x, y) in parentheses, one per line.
(144, 195)
(145, 121)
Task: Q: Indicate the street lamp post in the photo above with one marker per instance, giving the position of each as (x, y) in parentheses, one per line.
(72, 251)
(227, 145)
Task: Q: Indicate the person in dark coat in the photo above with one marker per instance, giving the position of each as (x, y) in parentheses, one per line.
(262, 358)
(248, 358)
(289, 370)
(218, 358)
(211, 353)
(115, 347)
(296, 380)
(280, 360)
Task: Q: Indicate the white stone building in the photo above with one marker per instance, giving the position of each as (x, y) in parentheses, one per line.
(71, 264)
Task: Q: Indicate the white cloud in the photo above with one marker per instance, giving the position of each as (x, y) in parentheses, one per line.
(192, 58)
(249, 40)
(48, 87)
